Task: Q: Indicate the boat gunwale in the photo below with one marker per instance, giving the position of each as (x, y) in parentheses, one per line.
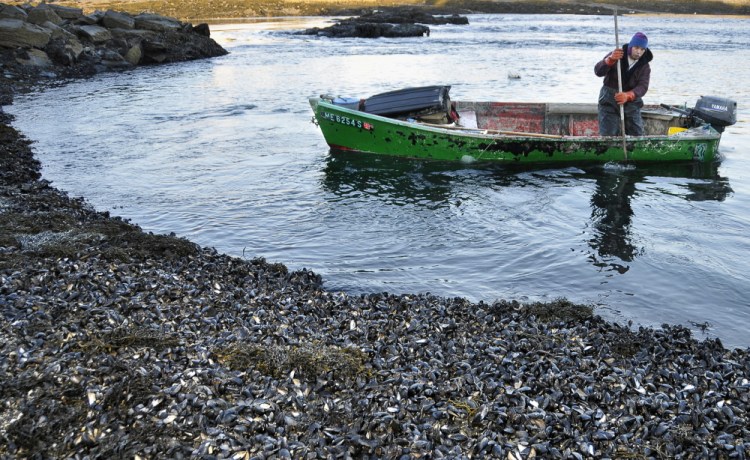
(691, 133)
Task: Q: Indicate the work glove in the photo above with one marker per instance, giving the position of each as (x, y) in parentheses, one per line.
(622, 98)
(614, 56)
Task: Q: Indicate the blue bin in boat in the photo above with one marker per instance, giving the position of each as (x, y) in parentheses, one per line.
(351, 103)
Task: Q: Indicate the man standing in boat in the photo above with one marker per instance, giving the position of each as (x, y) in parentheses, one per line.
(636, 73)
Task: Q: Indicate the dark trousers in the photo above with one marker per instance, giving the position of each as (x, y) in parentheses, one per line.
(609, 115)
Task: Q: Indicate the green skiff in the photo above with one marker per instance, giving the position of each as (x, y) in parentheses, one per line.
(512, 132)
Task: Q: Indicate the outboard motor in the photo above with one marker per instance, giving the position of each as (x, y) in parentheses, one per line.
(718, 112)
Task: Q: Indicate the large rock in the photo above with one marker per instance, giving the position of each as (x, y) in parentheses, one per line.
(395, 22)
(131, 34)
(56, 30)
(74, 48)
(113, 60)
(91, 19)
(66, 12)
(370, 30)
(202, 29)
(65, 51)
(155, 51)
(134, 54)
(12, 12)
(96, 34)
(16, 33)
(115, 20)
(42, 14)
(35, 58)
(157, 23)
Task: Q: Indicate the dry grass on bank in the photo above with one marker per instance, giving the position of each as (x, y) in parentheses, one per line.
(213, 9)
(194, 10)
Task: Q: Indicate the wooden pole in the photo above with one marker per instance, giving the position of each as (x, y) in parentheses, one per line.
(619, 85)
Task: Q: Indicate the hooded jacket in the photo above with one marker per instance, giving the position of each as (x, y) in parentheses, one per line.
(635, 79)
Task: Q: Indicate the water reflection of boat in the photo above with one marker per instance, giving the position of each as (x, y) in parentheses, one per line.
(433, 184)
(424, 123)
(399, 182)
(612, 213)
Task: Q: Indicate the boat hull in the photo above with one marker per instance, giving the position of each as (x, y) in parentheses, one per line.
(353, 130)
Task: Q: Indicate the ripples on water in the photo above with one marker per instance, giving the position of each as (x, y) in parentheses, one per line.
(222, 151)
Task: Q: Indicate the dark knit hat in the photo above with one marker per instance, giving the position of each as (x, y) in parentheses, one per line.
(639, 39)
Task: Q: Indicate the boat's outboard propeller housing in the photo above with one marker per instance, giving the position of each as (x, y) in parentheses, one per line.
(718, 112)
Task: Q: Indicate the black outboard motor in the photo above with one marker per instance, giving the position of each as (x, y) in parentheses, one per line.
(718, 112)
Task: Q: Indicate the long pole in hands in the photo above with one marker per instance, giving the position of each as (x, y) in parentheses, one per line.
(619, 85)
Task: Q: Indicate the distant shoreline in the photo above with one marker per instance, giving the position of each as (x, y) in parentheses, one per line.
(207, 10)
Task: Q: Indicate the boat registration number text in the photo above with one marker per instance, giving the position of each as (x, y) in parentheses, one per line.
(347, 121)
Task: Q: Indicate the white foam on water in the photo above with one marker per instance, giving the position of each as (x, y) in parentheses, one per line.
(613, 166)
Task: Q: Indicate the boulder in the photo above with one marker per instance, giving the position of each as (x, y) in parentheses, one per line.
(65, 51)
(115, 20)
(393, 22)
(179, 46)
(66, 12)
(370, 30)
(11, 12)
(156, 22)
(35, 58)
(57, 31)
(134, 54)
(91, 19)
(133, 33)
(113, 60)
(74, 48)
(202, 29)
(155, 51)
(96, 34)
(16, 33)
(42, 14)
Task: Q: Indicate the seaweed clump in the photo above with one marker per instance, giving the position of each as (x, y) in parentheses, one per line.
(310, 361)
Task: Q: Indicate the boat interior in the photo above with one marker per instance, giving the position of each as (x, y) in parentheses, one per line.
(432, 105)
(562, 119)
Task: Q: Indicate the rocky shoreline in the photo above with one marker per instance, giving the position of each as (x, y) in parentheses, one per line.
(50, 41)
(117, 343)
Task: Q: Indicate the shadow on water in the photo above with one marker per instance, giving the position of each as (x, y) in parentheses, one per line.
(436, 184)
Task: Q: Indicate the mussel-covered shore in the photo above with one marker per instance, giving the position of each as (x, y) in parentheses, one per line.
(117, 343)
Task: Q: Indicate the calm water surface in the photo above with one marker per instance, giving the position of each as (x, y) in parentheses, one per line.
(223, 152)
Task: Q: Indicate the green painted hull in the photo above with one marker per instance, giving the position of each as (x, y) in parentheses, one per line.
(346, 129)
